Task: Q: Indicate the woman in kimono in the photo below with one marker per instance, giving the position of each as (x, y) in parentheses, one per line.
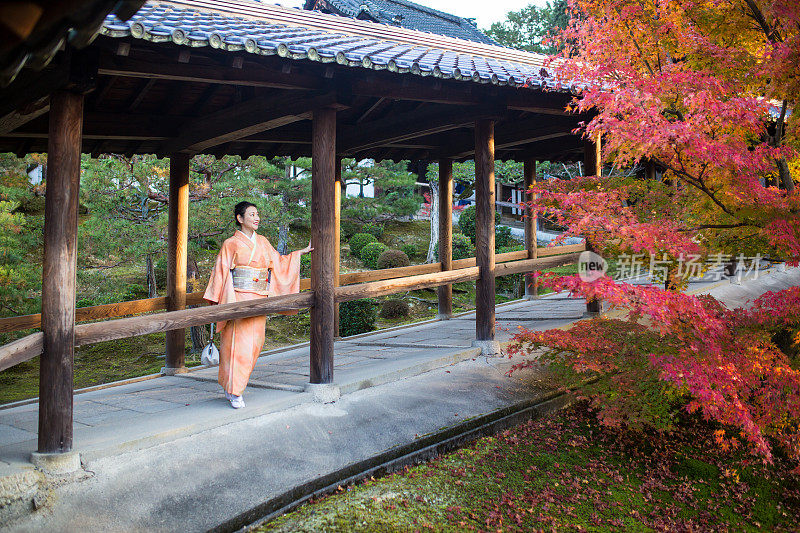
(247, 268)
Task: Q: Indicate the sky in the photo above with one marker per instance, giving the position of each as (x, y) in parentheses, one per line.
(486, 12)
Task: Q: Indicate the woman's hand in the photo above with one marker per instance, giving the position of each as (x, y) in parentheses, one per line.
(307, 250)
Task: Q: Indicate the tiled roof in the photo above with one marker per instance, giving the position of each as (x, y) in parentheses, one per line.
(265, 29)
(53, 26)
(407, 15)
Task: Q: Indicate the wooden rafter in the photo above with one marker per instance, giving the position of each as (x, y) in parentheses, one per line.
(245, 119)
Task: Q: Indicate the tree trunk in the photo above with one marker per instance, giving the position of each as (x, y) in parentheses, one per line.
(152, 290)
(283, 235)
(283, 226)
(432, 246)
(784, 176)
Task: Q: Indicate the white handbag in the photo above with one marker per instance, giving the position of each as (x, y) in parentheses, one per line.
(210, 354)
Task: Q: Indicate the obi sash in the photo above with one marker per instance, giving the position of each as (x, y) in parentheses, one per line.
(250, 279)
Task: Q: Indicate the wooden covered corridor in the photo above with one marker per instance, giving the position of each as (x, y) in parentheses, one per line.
(246, 78)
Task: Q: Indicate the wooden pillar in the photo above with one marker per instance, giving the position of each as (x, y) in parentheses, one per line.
(58, 272)
(650, 170)
(592, 162)
(337, 239)
(178, 240)
(446, 234)
(484, 232)
(323, 232)
(531, 224)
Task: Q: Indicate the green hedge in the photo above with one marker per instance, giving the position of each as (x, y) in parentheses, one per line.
(394, 309)
(371, 253)
(393, 259)
(462, 246)
(359, 241)
(466, 222)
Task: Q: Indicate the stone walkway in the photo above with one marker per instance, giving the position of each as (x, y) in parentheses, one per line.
(152, 446)
(143, 413)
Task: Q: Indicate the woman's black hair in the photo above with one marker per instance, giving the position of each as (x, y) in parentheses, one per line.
(240, 209)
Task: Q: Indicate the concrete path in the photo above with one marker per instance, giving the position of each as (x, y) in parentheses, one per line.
(170, 454)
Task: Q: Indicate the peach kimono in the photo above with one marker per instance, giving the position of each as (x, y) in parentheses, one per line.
(241, 340)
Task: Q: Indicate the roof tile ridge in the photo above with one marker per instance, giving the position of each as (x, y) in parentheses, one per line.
(254, 10)
(447, 16)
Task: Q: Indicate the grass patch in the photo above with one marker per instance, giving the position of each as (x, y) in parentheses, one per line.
(567, 472)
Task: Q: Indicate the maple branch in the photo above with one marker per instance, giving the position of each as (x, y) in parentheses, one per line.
(636, 44)
(758, 16)
(716, 226)
(698, 184)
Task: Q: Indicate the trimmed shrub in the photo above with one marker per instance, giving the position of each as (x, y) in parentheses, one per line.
(371, 253)
(502, 237)
(393, 259)
(462, 246)
(466, 222)
(359, 241)
(394, 309)
(357, 316)
(373, 229)
(410, 250)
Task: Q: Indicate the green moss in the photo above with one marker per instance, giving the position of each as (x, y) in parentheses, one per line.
(696, 469)
(561, 473)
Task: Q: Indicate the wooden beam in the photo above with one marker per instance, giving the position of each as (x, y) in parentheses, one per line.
(144, 325)
(256, 74)
(23, 115)
(141, 94)
(527, 265)
(384, 85)
(113, 126)
(379, 104)
(297, 133)
(531, 223)
(323, 218)
(177, 250)
(524, 132)
(245, 119)
(418, 123)
(58, 272)
(484, 230)
(445, 292)
(411, 283)
(21, 350)
(22, 101)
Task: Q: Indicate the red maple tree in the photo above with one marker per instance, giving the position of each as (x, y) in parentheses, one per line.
(704, 91)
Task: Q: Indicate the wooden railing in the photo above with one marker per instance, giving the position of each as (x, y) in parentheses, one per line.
(390, 281)
(137, 307)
